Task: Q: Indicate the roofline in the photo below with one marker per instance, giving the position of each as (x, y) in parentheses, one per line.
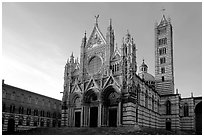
(3, 84)
(171, 94)
(199, 97)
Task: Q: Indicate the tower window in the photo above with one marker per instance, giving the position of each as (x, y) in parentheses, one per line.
(163, 41)
(162, 51)
(162, 70)
(162, 78)
(162, 60)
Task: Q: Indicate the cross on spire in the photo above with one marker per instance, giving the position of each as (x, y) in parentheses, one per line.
(97, 18)
(163, 10)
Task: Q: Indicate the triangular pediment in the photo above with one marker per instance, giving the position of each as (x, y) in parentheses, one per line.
(96, 38)
(76, 88)
(92, 84)
(111, 81)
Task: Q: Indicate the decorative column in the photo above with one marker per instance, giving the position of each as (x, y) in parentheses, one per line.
(99, 114)
(119, 113)
(85, 116)
(82, 113)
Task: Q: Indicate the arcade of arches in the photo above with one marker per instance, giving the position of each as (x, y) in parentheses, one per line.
(97, 109)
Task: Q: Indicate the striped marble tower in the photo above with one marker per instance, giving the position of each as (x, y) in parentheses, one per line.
(164, 73)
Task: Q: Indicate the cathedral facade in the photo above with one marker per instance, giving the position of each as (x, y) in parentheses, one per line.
(107, 88)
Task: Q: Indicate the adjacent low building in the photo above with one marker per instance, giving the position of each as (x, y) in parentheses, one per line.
(23, 110)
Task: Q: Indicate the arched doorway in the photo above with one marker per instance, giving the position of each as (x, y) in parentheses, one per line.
(91, 100)
(11, 125)
(76, 102)
(168, 124)
(198, 118)
(110, 98)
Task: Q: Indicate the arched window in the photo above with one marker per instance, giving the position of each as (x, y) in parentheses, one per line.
(158, 105)
(20, 121)
(28, 121)
(42, 113)
(186, 114)
(153, 103)
(28, 111)
(12, 109)
(4, 107)
(48, 114)
(136, 114)
(21, 110)
(54, 115)
(146, 99)
(35, 112)
(117, 67)
(162, 70)
(138, 94)
(162, 78)
(168, 107)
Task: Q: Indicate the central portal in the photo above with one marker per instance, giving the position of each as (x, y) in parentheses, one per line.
(113, 117)
(93, 116)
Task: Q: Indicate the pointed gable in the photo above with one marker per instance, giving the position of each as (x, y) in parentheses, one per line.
(111, 80)
(116, 55)
(76, 88)
(96, 38)
(92, 84)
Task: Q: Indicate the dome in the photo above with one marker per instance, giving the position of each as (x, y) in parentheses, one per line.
(146, 76)
(143, 67)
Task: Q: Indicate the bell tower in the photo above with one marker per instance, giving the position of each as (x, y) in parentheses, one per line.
(164, 70)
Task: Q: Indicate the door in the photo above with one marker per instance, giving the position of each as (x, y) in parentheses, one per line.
(77, 119)
(93, 116)
(113, 117)
(168, 125)
(198, 118)
(11, 125)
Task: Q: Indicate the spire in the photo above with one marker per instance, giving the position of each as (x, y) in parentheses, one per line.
(127, 37)
(85, 34)
(83, 44)
(72, 58)
(110, 24)
(163, 21)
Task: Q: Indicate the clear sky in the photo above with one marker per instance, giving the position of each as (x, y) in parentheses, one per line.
(38, 38)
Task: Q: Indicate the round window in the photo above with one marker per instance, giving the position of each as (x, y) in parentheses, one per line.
(94, 64)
